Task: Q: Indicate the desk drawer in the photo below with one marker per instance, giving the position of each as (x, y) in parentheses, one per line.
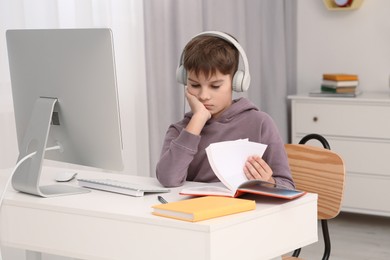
(338, 119)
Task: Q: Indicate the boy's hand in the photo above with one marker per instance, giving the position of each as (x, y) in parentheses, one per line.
(256, 168)
(197, 107)
(200, 114)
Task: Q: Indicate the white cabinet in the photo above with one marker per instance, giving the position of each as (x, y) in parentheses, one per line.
(359, 130)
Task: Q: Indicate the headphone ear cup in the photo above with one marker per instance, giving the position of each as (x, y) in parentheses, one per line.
(181, 75)
(237, 81)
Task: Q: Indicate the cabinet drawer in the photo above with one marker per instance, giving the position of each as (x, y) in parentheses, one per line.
(338, 119)
(360, 156)
(367, 194)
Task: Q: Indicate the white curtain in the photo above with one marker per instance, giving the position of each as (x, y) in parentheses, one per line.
(265, 29)
(125, 18)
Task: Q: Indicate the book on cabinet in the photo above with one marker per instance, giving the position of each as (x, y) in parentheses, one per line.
(334, 94)
(340, 77)
(339, 89)
(333, 83)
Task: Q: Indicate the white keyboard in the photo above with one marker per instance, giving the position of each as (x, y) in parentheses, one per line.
(122, 187)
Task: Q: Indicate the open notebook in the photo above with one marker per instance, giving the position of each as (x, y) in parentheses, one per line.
(227, 159)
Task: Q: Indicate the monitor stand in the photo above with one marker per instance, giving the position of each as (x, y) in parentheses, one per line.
(27, 176)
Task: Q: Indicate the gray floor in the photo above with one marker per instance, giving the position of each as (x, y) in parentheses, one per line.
(354, 236)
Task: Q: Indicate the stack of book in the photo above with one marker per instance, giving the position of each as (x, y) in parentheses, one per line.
(338, 84)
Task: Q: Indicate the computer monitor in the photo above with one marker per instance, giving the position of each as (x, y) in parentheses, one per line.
(65, 96)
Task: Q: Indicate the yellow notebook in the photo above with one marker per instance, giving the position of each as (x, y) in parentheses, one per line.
(202, 208)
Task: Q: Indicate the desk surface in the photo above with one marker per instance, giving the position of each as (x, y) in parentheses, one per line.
(103, 225)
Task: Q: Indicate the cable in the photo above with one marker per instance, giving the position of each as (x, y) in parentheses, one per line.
(57, 147)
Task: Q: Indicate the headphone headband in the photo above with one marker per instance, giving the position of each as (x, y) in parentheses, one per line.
(241, 79)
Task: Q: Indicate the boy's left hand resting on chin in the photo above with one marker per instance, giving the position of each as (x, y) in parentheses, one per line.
(257, 169)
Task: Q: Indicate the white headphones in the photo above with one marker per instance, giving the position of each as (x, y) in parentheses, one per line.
(241, 78)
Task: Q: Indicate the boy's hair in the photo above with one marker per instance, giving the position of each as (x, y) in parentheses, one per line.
(207, 54)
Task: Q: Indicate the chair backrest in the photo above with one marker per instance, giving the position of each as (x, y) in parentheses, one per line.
(318, 170)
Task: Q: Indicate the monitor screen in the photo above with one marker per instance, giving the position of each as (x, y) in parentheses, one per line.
(65, 96)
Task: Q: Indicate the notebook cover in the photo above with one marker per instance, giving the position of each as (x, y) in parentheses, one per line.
(202, 208)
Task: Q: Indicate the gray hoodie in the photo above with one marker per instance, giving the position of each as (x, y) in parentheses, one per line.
(183, 157)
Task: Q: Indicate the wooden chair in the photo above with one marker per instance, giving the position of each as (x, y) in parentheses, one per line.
(318, 170)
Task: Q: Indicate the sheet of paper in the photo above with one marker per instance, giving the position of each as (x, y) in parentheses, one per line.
(227, 159)
(215, 188)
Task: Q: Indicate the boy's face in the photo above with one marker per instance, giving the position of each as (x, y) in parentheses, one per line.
(215, 92)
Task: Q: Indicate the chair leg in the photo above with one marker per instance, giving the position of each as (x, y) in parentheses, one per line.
(296, 252)
(325, 233)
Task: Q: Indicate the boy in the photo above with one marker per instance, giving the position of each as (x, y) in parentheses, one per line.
(210, 63)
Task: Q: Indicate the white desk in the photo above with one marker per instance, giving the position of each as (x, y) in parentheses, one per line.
(103, 225)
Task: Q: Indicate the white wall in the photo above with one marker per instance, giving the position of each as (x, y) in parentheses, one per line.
(356, 41)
